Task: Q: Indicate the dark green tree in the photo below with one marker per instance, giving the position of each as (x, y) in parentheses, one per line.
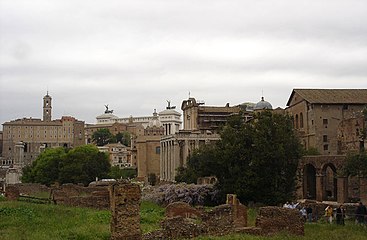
(102, 137)
(256, 160)
(124, 138)
(79, 165)
(83, 164)
(356, 164)
(124, 173)
(45, 169)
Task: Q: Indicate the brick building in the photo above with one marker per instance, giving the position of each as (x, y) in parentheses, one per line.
(201, 126)
(319, 113)
(333, 122)
(30, 136)
(119, 155)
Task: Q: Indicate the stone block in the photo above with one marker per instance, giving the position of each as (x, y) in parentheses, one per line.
(273, 220)
(182, 209)
(12, 193)
(125, 208)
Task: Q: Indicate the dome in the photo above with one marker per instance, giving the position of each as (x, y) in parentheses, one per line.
(263, 105)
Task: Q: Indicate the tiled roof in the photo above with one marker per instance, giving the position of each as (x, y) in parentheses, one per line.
(332, 96)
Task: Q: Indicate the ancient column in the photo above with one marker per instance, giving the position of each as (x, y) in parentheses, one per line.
(125, 208)
(320, 187)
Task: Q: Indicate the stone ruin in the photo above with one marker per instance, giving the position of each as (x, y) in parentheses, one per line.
(125, 207)
(79, 196)
(12, 193)
(183, 221)
(272, 220)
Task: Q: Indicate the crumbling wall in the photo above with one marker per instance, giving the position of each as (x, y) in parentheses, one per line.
(125, 207)
(183, 209)
(79, 196)
(11, 193)
(184, 221)
(32, 189)
(273, 220)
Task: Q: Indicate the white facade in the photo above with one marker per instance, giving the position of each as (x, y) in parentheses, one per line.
(169, 118)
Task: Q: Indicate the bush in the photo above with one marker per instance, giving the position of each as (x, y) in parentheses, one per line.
(192, 194)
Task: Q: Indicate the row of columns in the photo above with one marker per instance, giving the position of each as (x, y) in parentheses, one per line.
(169, 159)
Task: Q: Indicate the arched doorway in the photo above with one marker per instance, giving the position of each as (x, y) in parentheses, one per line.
(309, 181)
(330, 191)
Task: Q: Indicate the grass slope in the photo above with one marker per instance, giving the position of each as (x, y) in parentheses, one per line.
(27, 221)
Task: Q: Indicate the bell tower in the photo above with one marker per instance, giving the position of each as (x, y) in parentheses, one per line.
(47, 108)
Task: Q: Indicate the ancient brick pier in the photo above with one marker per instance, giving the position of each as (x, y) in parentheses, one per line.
(125, 206)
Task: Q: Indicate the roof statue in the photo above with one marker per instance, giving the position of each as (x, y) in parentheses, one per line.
(169, 105)
(108, 111)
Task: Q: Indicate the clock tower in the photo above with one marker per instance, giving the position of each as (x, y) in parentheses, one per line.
(47, 108)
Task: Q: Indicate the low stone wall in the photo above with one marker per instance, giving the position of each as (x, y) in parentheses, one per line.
(79, 196)
(183, 209)
(184, 221)
(32, 189)
(273, 220)
(12, 193)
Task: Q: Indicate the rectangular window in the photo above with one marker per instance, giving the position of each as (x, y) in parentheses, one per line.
(325, 121)
(326, 147)
(324, 138)
(158, 150)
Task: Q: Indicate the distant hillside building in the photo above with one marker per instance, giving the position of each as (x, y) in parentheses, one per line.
(119, 154)
(146, 133)
(26, 138)
(331, 121)
(319, 113)
(201, 126)
(147, 147)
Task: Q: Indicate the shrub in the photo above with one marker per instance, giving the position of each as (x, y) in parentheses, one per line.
(190, 193)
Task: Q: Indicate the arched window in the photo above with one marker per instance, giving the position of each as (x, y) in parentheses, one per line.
(296, 121)
(301, 120)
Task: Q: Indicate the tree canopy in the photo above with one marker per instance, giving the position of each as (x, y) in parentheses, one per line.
(356, 164)
(256, 160)
(103, 136)
(79, 165)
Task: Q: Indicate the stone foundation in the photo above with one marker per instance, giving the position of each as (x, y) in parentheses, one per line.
(79, 196)
(273, 220)
(12, 193)
(184, 221)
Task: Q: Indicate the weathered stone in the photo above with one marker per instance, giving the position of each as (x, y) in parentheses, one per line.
(182, 209)
(155, 235)
(80, 196)
(180, 227)
(125, 208)
(273, 220)
(221, 220)
(12, 193)
(31, 189)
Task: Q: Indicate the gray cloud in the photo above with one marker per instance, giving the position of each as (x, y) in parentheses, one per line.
(134, 55)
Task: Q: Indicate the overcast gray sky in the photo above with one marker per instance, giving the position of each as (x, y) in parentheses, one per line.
(135, 55)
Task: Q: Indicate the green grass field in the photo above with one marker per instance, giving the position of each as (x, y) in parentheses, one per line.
(29, 221)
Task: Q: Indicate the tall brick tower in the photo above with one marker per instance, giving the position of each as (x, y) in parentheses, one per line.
(47, 108)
